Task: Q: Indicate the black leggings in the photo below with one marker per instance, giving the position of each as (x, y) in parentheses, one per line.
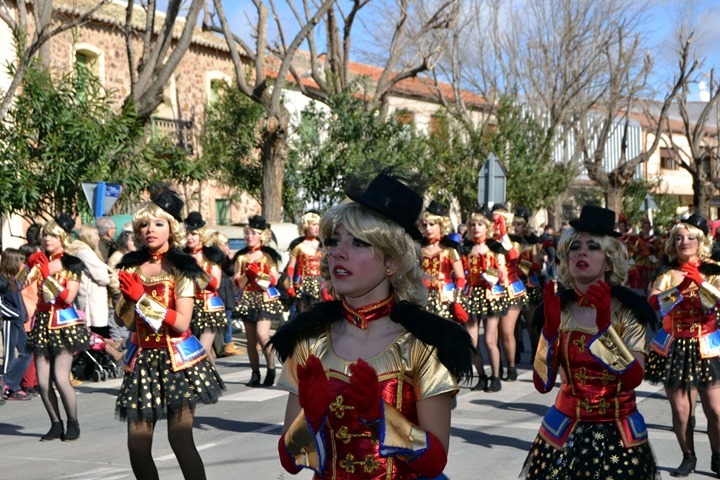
(55, 370)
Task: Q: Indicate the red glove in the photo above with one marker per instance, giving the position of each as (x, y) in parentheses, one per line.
(252, 271)
(41, 261)
(326, 297)
(459, 312)
(499, 225)
(286, 460)
(551, 309)
(599, 296)
(291, 292)
(692, 273)
(313, 391)
(212, 285)
(364, 392)
(131, 286)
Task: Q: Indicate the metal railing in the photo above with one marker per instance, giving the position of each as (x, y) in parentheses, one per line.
(181, 132)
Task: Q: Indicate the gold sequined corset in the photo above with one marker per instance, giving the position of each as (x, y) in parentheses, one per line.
(476, 266)
(592, 392)
(408, 371)
(310, 264)
(439, 268)
(687, 319)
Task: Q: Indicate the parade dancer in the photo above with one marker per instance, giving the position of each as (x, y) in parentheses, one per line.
(303, 268)
(167, 372)
(371, 376)
(594, 335)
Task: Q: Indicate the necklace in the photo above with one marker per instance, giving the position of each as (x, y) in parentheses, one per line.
(156, 257)
(255, 248)
(196, 249)
(430, 241)
(56, 255)
(479, 241)
(360, 317)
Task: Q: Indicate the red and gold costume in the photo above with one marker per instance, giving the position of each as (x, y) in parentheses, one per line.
(484, 291)
(208, 310)
(643, 249)
(57, 325)
(595, 415)
(165, 370)
(441, 288)
(306, 279)
(528, 268)
(408, 370)
(258, 300)
(685, 353)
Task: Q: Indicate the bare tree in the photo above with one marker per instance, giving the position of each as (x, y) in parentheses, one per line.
(695, 144)
(162, 48)
(31, 38)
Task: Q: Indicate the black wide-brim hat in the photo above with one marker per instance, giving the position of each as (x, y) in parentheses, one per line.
(437, 208)
(596, 220)
(391, 198)
(66, 222)
(168, 200)
(257, 222)
(698, 221)
(194, 221)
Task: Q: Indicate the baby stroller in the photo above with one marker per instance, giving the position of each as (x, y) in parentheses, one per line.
(97, 363)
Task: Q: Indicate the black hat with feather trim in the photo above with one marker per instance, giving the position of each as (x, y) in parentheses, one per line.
(168, 200)
(596, 220)
(194, 221)
(258, 222)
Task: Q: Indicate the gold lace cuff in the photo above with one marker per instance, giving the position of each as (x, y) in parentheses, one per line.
(125, 311)
(399, 436)
(152, 311)
(51, 288)
(506, 242)
(544, 361)
(263, 280)
(27, 274)
(492, 276)
(525, 266)
(669, 300)
(304, 446)
(609, 349)
(709, 295)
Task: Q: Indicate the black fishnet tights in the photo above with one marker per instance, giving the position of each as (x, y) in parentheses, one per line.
(54, 370)
(180, 435)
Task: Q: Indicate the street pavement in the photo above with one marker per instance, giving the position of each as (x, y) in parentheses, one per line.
(237, 437)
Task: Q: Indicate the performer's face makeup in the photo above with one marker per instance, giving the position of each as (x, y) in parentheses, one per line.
(312, 230)
(358, 273)
(252, 237)
(687, 245)
(52, 243)
(192, 240)
(431, 230)
(155, 233)
(587, 260)
(519, 227)
(478, 229)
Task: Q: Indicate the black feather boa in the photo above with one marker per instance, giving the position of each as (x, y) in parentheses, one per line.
(182, 261)
(72, 264)
(454, 346)
(266, 250)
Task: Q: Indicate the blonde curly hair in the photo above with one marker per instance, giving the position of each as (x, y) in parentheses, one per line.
(388, 239)
(705, 242)
(444, 222)
(616, 257)
(152, 210)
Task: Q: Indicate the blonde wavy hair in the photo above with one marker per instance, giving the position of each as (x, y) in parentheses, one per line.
(479, 217)
(89, 236)
(306, 220)
(53, 228)
(205, 236)
(388, 239)
(444, 222)
(152, 210)
(616, 257)
(265, 235)
(705, 242)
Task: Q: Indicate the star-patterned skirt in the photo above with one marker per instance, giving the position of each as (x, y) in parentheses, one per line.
(682, 368)
(44, 340)
(153, 390)
(202, 319)
(436, 305)
(253, 307)
(593, 451)
(477, 304)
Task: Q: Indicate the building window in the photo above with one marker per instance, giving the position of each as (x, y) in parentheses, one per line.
(222, 211)
(667, 159)
(89, 60)
(214, 82)
(404, 117)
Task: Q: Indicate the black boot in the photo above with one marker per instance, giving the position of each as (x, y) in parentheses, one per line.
(715, 464)
(687, 466)
(56, 431)
(511, 374)
(481, 384)
(493, 385)
(269, 378)
(254, 379)
(72, 432)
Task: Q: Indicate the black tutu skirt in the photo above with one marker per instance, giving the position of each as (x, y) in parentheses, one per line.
(477, 304)
(436, 305)
(202, 319)
(43, 340)
(254, 306)
(593, 451)
(153, 391)
(682, 368)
